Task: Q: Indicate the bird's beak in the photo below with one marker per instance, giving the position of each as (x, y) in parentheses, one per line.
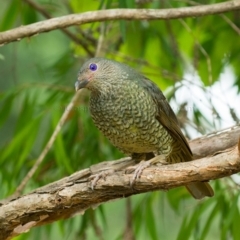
(81, 84)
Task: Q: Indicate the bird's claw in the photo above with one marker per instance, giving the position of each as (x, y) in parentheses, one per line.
(138, 171)
(145, 164)
(96, 177)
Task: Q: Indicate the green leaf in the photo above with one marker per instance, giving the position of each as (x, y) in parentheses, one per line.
(214, 213)
(6, 106)
(28, 14)
(150, 223)
(130, 3)
(182, 233)
(10, 15)
(21, 143)
(60, 149)
(229, 217)
(192, 225)
(2, 57)
(122, 25)
(235, 225)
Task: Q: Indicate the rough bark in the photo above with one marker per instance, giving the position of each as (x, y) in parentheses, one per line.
(72, 195)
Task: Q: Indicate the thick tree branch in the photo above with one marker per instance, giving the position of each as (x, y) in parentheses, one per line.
(115, 14)
(215, 142)
(73, 195)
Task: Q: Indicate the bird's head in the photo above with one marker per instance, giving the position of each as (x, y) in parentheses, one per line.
(95, 73)
(98, 73)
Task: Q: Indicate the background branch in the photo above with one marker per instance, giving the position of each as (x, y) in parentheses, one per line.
(115, 14)
(215, 142)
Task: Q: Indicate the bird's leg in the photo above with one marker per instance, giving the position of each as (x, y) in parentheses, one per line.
(161, 159)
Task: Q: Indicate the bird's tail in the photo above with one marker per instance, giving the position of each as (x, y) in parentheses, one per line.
(200, 190)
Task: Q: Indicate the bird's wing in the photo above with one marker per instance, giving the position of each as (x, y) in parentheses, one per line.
(166, 116)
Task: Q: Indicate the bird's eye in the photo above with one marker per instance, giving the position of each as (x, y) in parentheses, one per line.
(93, 66)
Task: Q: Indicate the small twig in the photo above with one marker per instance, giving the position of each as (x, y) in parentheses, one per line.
(231, 24)
(38, 8)
(203, 51)
(49, 144)
(100, 40)
(41, 10)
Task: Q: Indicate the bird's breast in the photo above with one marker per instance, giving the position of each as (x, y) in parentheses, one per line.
(127, 117)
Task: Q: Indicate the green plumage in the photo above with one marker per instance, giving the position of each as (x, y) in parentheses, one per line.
(133, 113)
(129, 121)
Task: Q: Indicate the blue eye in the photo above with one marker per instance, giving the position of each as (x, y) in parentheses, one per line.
(93, 66)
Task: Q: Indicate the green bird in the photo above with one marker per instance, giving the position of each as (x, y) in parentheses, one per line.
(132, 112)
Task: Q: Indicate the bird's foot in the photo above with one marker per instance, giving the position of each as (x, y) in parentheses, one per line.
(145, 164)
(138, 171)
(96, 177)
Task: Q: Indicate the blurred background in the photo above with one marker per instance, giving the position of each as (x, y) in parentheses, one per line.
(195, 61)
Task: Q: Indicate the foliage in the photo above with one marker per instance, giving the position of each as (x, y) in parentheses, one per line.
(182, 56)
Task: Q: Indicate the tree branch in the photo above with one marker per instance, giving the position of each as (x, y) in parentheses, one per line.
(215, 142)
(115, 14)
(72, 195)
